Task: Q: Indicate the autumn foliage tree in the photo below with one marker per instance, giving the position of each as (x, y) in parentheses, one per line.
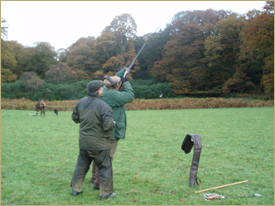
(259, 39)
(104, 50)
(59, 73)
(7, 76)
(199, 53)
(116, 44)
(8, 63)
(62, 54)
(222, 50)
(4, 28)
(151, 53)
(31, 81)
(256, 56)
(10, 60)
(38, 59)
(81, 58)
(124, 28)
(181, 64)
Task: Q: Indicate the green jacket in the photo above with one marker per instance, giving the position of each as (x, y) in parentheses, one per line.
(116, 100)
(96, 120)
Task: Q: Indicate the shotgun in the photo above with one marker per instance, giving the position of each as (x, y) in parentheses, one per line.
(129, 68)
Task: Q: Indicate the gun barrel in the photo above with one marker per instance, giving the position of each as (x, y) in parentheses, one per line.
(135, 58)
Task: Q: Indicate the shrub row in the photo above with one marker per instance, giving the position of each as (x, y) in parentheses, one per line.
(48, 91)
(150, 89)
(195, 103)
(143, 89)
(142, 104)
(147, 89)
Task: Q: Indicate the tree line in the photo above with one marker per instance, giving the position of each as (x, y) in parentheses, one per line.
(201, 52)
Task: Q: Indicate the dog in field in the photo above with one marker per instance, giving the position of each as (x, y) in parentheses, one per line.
(56, 111)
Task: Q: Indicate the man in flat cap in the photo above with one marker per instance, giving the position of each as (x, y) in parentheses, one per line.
(116, 100)
(96, 120)
(40, 106)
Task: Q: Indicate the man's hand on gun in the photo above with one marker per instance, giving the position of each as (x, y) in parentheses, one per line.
(124, 79)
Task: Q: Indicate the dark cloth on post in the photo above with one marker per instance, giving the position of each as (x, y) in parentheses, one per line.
(190, 141)
(187, 144)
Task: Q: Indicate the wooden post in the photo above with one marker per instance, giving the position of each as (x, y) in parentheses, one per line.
(236, 183)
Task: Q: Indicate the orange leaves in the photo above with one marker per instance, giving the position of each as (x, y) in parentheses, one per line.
(59, 73)
(113, 48)
(123, 25)
(258, 34)
(107, 42)
(7, 76)
(268, 82)
(114, 64)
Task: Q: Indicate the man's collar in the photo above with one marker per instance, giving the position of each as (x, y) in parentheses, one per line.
(96, 96)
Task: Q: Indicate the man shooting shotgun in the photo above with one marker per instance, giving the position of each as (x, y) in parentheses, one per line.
(116, 99)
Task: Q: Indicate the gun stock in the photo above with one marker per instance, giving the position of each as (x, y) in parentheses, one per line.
(119, 86)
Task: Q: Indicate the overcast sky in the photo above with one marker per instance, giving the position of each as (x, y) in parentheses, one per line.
(62, 23)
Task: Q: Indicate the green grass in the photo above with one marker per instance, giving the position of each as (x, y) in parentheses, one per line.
(38, 157)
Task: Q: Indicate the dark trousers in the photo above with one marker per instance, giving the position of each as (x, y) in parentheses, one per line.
(104, 164)
(43, 111)
(95, 170)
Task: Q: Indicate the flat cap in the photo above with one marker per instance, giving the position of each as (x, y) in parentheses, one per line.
(94, 85)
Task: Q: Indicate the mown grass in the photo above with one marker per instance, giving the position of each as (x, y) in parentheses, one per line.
(38, 157)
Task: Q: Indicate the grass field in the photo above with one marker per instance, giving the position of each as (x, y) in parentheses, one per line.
(38, 157)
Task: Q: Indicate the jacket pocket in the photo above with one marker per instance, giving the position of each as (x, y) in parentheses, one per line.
(119, 130)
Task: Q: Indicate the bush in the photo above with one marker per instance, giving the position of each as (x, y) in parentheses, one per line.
(37, 95)
(150, 89)
(13, 90)
(48, 91)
